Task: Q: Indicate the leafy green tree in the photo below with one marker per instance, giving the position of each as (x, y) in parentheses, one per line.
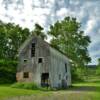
(68, 37)
(38, 31)
(11, 37)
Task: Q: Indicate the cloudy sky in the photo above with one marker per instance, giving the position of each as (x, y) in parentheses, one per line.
(45, 12)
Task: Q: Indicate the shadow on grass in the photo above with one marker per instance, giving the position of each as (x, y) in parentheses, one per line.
(85, 88)
(76, 88)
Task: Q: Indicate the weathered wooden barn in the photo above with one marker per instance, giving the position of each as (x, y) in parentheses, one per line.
(42, 64)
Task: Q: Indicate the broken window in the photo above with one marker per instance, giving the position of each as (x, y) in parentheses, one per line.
(40, 60)
(33, 50)
(26, 75)
(66, 67)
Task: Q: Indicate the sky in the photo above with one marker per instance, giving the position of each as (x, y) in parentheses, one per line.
(45, 12)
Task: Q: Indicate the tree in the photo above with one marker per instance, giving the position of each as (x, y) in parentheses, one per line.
(11, 37)
(38, 31)
(98, 61)
(68, 37)
(98, 67)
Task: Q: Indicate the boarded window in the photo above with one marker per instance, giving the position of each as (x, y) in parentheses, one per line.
(40, 60)
(26, 75)
(33, 50)
(66, 67)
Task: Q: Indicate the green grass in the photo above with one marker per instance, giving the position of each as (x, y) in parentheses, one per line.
(7, 91)
(89, 90)
(92, 90)
(23, 85)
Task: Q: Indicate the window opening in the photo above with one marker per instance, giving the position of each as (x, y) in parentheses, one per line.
(66, 67)
(25, 60)
(33, 50)
(40, 60)
(26, 74)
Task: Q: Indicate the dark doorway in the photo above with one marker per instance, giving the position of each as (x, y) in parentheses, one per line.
(45, 79)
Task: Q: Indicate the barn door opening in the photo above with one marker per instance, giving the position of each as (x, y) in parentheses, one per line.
(45, 79)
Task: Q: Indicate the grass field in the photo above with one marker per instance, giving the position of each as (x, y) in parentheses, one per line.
(6, 91)
(80, 91)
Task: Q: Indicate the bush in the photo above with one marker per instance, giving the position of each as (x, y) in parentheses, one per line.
(98, 70)
(77, 74)
(22, 85)
(7, 71)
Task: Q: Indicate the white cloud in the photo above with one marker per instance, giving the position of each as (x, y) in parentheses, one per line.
(39, 11)
(46, 12)
(62, 12)
(90, 24)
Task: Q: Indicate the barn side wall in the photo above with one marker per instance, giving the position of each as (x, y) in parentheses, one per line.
(59, 76)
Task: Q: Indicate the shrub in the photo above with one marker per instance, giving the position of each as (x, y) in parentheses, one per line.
(22, 85)
(98, 70)
(77, 74)
(7, 71)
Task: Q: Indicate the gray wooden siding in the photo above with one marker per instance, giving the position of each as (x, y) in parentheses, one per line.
(53, 63)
